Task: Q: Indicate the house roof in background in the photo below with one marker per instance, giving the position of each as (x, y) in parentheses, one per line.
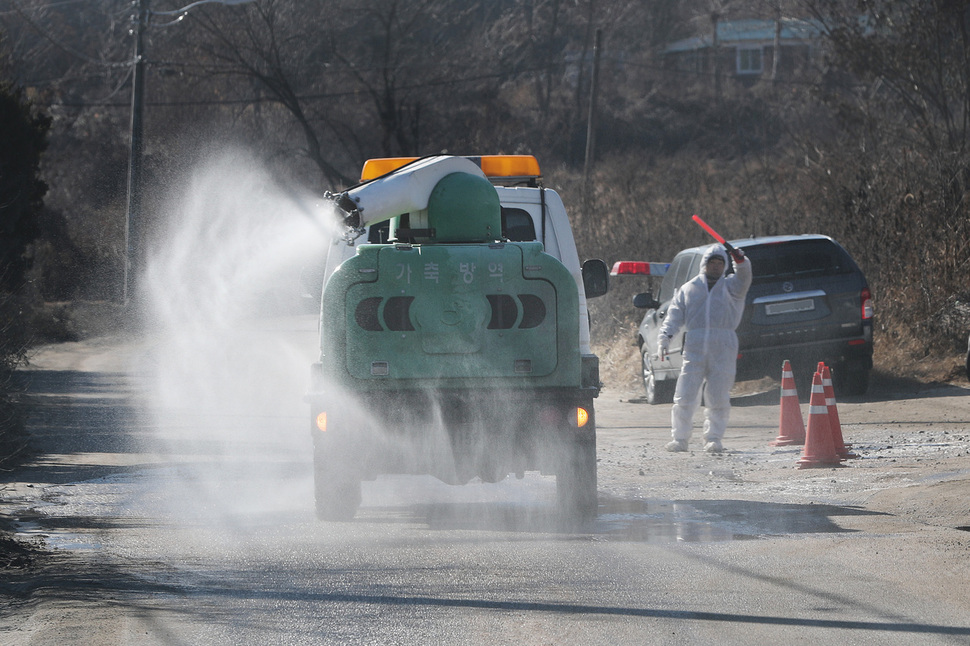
(751, 31)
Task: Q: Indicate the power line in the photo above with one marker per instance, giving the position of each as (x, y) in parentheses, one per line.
(56, 43)
(51, 5)
(269, 99)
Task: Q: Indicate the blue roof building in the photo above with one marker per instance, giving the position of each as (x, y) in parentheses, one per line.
(746, 48)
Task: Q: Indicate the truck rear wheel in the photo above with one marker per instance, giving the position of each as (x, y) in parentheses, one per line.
(337, 490)
(576, 478)
(336, 499)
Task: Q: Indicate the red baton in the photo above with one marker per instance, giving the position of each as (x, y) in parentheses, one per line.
(717, 236)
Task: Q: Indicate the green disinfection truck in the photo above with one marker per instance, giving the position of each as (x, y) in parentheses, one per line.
(454, 342)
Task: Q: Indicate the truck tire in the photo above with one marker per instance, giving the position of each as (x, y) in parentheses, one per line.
(657, 391)
(337, 491)
(576, 478)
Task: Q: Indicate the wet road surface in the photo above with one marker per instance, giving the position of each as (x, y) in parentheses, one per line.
(195, 525)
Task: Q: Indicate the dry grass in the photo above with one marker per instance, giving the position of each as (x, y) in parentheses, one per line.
(913, 252)
(620, 363)
(908, 358)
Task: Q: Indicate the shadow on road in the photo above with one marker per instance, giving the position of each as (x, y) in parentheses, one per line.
(82, 412)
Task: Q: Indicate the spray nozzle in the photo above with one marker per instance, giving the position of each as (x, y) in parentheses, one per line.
(350, 214)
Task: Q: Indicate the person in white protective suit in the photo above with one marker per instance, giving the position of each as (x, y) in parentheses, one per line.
(709, 306)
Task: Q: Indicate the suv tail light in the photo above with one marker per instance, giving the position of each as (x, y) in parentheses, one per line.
(867, 310)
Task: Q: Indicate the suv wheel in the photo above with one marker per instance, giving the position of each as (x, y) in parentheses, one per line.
(658, 391)
(852, 379)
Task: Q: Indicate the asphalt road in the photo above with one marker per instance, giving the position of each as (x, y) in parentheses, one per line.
(176, 505)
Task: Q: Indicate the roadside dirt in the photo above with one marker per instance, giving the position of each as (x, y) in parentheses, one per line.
(911, 433)
(911, 439)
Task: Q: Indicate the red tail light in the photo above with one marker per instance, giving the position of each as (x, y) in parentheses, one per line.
(867, 310)
(630, 267)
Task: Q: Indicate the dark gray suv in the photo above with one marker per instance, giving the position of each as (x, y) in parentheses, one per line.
(808, 302)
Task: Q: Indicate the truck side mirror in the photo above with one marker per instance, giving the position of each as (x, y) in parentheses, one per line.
(596, 277)
(645, 301)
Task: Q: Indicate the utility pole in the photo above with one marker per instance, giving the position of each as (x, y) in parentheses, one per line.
(591, 122)
(716, 53)
(776, 45)
(134, 261)
(133, 219)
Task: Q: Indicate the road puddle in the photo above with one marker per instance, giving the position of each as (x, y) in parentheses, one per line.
(717, 520)
(647, 521)
(528, 506)
(618, 520)
(33, 532)
(664, 521)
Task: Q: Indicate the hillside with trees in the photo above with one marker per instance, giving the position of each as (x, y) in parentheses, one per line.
(866, 140)
(22, 141)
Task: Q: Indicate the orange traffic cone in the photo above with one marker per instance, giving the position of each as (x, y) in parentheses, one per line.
(791, 427)
(819, 448)
(834, 423)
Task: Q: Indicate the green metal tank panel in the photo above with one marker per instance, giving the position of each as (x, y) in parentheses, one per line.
(402, 316)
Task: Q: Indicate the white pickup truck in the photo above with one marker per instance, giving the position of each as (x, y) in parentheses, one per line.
(454, 339)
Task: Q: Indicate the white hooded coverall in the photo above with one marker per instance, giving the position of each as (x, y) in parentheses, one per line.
(710, 316)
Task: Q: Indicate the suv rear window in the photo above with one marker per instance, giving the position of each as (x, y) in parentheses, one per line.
(677, 275)
(798, 259)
